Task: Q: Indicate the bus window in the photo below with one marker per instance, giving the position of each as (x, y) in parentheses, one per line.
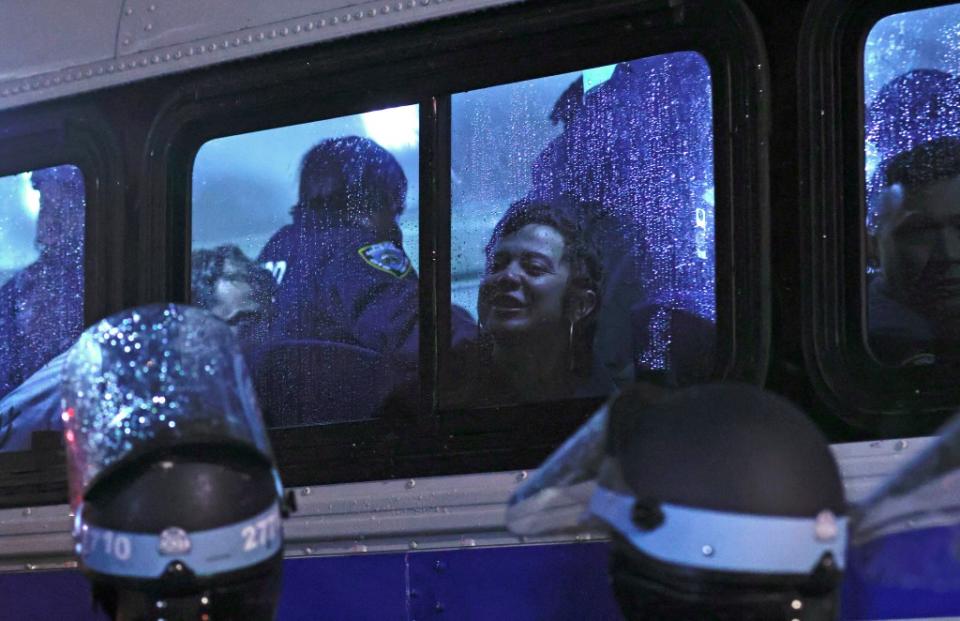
(42, 215)
(582, 232)
(305, 240)
(912, 155)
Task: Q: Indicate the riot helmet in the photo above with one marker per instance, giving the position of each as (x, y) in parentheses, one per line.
(722, 501)
(172, 480)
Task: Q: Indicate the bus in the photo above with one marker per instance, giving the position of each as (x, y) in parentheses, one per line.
(732, 161)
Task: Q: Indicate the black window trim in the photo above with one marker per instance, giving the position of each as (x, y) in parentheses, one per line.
(879, 400)
(439, 59)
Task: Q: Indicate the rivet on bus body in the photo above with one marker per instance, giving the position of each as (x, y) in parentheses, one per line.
(411, 484)
(707, 550)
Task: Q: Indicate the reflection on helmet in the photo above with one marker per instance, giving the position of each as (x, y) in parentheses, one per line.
(177, 500)
(724, 502)
(151, 378)
(903, 553)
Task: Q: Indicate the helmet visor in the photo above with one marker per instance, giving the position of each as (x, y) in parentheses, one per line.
(154, 378)
(557, 496)
(904, 536)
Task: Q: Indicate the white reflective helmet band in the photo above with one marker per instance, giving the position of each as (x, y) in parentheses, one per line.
(206, 552)
(721, 541)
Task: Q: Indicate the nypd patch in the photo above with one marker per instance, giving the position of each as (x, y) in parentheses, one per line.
(386, 257)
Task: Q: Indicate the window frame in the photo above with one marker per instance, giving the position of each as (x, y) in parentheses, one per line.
(38, 138)
(880, 400)
(440, 59)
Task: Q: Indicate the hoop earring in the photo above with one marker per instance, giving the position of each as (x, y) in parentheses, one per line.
(570, 351)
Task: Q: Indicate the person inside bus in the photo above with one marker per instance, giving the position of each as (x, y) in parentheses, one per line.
(223, 281)
(537, 307)
(233, 287)
(344, 335)
(41, 306)
(914, 225)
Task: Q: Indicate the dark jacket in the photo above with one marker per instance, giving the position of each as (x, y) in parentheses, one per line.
(41, 315)
(472, 379)
(898, 336)
(344, 337)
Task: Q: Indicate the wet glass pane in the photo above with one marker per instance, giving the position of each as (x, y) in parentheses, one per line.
(305, 240)
(912, 150)
(583, 232)
(41, 273)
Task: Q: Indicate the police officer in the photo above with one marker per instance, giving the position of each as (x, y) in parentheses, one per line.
(344, 335)
(41, 307)
(723, 502)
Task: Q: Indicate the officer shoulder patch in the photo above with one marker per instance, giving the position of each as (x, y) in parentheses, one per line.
(386, 257)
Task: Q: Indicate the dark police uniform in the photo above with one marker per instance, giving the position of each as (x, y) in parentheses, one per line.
(41, 314)
(344, 330)
(620, 147)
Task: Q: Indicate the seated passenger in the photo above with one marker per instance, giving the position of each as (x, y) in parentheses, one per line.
(914, 225)
(223, 281)
(537, 307)
(41, 307)
(227, 283)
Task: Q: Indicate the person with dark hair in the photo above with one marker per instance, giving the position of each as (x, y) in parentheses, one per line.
(226, 282)
(537, 308)
(41, 307)
(344, 334)
(914, 232)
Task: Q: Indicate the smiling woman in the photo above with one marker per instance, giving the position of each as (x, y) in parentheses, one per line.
(538, 304)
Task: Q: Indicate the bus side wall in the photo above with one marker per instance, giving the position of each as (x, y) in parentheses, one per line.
(525, 583)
